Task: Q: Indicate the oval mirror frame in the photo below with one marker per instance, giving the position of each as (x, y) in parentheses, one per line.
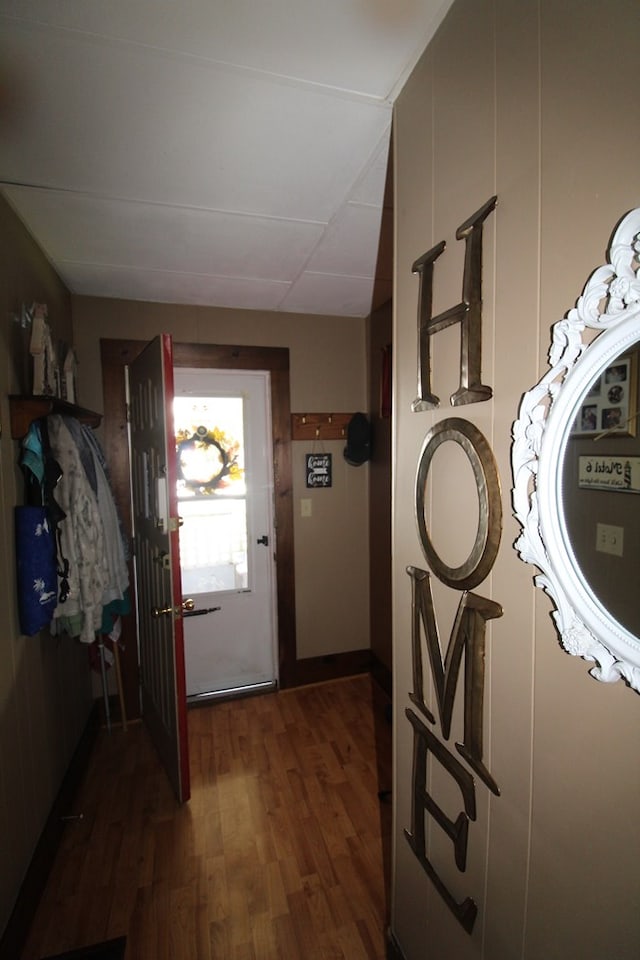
(609, 305)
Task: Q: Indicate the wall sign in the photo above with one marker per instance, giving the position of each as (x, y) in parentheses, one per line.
(468, 633)
(620, 474)
(318, 469)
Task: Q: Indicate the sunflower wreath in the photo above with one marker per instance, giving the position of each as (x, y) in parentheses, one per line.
(219, 463)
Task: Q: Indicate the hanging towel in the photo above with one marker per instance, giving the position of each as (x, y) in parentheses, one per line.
(36, 568)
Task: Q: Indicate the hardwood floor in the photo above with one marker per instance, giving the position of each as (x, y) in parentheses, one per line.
(281, 853)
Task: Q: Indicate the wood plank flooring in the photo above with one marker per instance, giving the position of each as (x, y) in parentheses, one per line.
(281, 853)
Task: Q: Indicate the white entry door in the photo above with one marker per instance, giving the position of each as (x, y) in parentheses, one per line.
(225, 491)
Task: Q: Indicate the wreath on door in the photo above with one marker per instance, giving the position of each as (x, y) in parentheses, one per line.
(207, 459)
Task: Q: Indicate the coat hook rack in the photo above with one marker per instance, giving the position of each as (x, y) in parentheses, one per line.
(319, 426)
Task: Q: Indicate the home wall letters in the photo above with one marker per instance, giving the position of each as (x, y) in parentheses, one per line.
(422, 802)
(468, 313)
(468, 637)
(468, 633)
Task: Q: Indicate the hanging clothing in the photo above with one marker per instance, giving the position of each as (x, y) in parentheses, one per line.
(35, 532)
(81, 540)
(90, 536)
(35, 568)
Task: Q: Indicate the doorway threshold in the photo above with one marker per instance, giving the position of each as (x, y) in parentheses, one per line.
(231, 693)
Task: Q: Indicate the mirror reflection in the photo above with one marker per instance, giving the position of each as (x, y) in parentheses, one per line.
(601, 489)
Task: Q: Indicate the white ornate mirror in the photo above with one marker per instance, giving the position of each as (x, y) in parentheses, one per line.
(576, 468)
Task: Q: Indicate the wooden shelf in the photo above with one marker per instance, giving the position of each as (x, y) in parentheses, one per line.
(25, 409)
(319, 426)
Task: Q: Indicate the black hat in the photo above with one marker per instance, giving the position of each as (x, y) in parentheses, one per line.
(358, 448)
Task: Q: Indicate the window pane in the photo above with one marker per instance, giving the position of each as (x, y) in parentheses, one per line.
(210, 442)
(213, 545)
(212, 493)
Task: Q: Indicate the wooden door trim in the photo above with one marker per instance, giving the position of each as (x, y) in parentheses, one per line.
(115, 356)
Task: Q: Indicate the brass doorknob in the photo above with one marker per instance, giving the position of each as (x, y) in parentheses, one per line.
(157, 612)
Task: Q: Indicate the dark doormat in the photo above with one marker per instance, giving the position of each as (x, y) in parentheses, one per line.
(109, 950)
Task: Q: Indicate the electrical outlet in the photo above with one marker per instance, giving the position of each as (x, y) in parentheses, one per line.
(609, 539)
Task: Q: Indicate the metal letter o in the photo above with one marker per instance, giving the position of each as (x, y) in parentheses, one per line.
(478, 564)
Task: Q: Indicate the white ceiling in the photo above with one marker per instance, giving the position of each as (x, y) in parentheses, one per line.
(218, 152)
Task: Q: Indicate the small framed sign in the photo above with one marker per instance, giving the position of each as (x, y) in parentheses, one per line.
(318, 469)
(609, 473)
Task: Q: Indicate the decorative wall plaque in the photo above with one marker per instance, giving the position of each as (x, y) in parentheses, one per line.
(468, 633)
(318, 469)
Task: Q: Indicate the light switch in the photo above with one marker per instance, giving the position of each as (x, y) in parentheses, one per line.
(609, 539)
(305, 507)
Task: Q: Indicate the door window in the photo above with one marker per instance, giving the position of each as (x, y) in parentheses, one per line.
(212, 493)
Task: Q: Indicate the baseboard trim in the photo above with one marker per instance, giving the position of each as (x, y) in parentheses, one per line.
(15, 935)
(393, 947)
(382, 675)
(330, 667)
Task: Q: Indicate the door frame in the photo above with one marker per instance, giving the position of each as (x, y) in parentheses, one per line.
(115, 356)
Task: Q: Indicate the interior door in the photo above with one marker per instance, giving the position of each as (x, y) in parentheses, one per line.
(225, 492)
(157, 558)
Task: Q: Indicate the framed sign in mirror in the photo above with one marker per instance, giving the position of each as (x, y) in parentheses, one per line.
(594, 349)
